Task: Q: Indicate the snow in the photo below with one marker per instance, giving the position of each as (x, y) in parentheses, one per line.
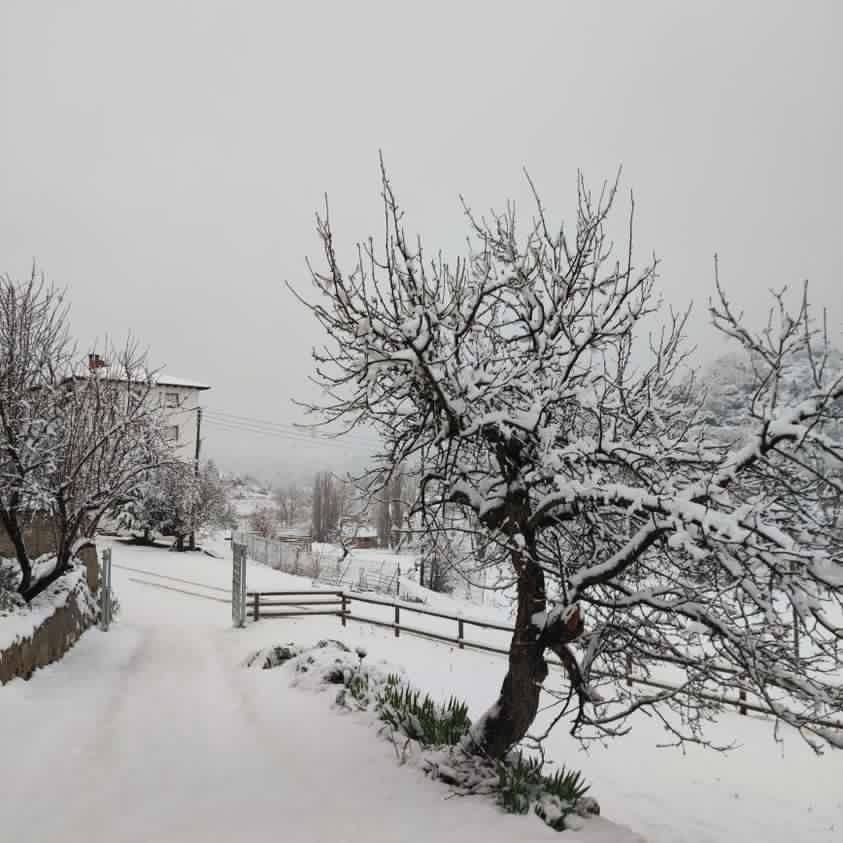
(116, 373)
(157, 733)
(21, 622)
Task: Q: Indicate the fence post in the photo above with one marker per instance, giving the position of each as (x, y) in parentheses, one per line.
(257, 610)
(397, 621)
(461, 632)
(238, 584)
(344, 599)
(105, 590)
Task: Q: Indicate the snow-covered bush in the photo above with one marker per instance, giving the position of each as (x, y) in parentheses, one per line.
(270, 657)
(174, 501)
(523, 786)
(10, 599)
(436, 737)
(265, 521)
(420, 718)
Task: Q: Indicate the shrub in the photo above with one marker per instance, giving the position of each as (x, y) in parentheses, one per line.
(270, 657)
(441, 730)
(522, 785)
(420, 718)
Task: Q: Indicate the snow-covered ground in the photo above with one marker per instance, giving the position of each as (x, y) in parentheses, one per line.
(154, 732)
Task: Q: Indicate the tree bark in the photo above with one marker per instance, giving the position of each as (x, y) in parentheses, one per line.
(508, 721)
(10, 522)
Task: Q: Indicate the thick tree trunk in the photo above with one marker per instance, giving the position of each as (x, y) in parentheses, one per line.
(509, 719)
(12, 527)
(62, 567)
(63, 558)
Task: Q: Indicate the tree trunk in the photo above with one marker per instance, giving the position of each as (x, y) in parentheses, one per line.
(509, 719)
(63, 557)
(62, 567)
(10, 522)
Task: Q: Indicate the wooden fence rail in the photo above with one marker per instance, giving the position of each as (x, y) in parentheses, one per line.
(263, 604)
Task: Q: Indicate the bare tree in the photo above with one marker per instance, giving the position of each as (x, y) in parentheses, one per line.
(288, 499)
(390, 507)
(35, 352)
(330, 500)
(108, 436)
(318, 507)
(264, 521)
(509, 376)
(173, 501)
(75, 438)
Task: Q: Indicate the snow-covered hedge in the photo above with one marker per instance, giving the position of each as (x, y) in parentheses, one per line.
(432, 736)
(34, 635)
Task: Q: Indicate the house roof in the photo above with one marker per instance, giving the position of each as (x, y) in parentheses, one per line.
(164, 379)
(156, 378)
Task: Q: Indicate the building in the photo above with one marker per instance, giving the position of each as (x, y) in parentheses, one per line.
(359, 535)
(178, 399)
(179, 402)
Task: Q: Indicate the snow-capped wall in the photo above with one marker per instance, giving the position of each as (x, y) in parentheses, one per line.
(36, 635)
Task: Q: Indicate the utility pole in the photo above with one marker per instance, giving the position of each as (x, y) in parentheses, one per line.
(196, 464)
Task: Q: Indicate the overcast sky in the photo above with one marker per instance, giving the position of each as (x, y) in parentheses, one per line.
(163, 160)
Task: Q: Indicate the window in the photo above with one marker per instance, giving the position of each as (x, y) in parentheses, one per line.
(171, 433)
(171, 399)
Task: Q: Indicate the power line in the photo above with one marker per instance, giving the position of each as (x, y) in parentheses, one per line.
(283, 427)
(283, 434)
(233, 427)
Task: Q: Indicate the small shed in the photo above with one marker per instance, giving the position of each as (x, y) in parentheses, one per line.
(362, 536)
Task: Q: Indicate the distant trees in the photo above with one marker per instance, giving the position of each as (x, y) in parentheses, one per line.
(292, 503)
(212, 505)
(329, 501)
(74, 440)
(264, 521)
(637, 541)
(438, 565)
(174, 501)
(391, 509)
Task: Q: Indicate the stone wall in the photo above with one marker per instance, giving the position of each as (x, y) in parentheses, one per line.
(38, 536)
(60, 615)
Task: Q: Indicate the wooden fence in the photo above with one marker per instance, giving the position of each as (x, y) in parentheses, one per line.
(286, 604)
(266, 604)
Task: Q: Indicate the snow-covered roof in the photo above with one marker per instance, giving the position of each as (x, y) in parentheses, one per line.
(114, 373)
(164, 379)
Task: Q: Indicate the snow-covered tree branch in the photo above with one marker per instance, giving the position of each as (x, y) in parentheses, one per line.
(521, 380)
(75, 439)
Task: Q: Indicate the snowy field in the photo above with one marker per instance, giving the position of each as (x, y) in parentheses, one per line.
(154, 732)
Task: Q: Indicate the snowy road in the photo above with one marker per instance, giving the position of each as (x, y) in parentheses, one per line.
(153, 732)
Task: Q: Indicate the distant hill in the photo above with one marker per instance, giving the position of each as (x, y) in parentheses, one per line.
(731, 381)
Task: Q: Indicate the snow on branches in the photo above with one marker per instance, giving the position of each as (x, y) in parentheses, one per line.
(73, 440)
(515, 378)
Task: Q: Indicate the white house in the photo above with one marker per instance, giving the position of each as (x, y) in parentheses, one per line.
(178, 399)
(179, 402)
